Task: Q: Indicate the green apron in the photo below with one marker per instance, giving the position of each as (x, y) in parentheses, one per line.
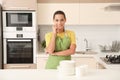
(60, 45)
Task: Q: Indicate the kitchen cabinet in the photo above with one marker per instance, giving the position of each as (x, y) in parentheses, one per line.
(19, 4)
(98, 14)
(90, 61)
(77, 1)
(99, 1)
(81, 13)
(58, 1)
(41, 62)
(19, 66)
(45, 13)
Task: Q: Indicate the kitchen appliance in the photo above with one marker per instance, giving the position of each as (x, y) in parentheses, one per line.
(19, 20)
(1, 35)
(20, 48)
(19, 51)
(111, 59)
(19, 38)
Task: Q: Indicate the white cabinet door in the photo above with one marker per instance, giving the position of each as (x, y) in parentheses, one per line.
(19, 66)
(46, 11)
(96, 14)
(19, 4)
(41, 62)
(90, 61)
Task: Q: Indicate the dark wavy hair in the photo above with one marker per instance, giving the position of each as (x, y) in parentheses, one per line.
(59, 12)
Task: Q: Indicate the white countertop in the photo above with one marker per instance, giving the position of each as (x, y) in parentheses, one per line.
(36, 74)
(96, 56)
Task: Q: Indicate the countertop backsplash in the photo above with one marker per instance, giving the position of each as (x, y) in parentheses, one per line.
(95, 35)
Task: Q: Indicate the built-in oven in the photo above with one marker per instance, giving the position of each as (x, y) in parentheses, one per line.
(19, 20)
(19, 51)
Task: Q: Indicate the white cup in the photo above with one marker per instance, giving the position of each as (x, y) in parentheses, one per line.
(81, 70)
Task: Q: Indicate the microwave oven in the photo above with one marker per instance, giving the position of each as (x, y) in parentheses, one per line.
(19, 20)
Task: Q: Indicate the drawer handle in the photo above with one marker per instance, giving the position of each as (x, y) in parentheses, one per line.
(20, 66)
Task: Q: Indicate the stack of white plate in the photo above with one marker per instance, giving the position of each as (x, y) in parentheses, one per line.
(66, 67)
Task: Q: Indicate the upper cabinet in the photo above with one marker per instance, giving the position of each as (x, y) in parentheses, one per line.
(58, 1)
(19, 4)
(78, 1)
(81, 13)
(99, 1)
(99, 14)
(46, 11)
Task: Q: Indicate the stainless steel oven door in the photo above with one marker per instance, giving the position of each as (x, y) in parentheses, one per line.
(19, 51)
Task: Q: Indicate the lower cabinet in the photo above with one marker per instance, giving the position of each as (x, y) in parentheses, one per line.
(41, 62)
(90, 61)
(19, 66)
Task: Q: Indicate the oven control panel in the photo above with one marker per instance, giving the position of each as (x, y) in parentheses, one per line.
(19, 35)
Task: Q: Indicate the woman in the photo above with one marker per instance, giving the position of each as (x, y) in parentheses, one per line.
(60, 43)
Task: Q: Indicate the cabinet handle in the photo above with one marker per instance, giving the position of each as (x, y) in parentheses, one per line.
(20, 66)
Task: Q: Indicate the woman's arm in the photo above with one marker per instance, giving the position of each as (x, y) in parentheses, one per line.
(51, 46)
(67, 52)
(72, 48)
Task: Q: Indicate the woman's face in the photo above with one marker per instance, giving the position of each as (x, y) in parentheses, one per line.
(59, 21)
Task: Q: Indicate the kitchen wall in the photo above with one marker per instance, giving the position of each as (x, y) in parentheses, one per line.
(95, 34)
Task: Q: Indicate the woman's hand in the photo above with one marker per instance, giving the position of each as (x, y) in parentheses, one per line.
(54, 27)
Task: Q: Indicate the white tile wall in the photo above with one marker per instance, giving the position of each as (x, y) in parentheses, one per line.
(94, 34)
